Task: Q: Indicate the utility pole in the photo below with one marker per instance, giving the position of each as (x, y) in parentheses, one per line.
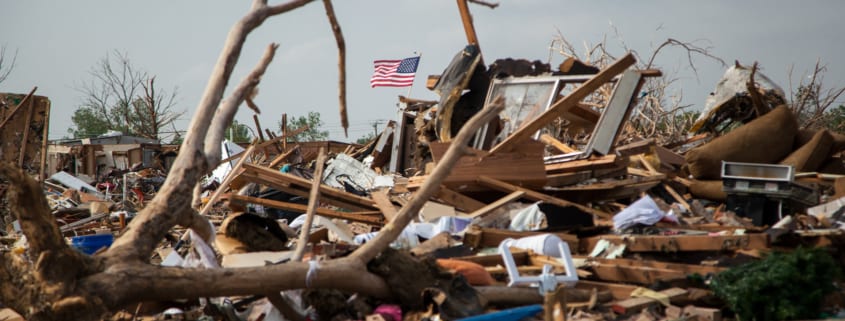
(375, 126)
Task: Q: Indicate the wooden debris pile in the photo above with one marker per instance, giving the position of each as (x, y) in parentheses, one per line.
(520, 193)
(533, 182)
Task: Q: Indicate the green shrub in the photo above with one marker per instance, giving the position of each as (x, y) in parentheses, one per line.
(783, 286)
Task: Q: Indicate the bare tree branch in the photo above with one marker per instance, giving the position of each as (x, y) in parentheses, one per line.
(341, 64)
(6, 67)
(226, 113)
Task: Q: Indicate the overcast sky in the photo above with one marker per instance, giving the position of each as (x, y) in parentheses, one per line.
(58, 42)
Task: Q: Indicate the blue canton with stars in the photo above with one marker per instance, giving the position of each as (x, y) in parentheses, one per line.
(408, 65)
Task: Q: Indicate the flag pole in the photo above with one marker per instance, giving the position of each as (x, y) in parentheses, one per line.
(419, 58)
(400, 117)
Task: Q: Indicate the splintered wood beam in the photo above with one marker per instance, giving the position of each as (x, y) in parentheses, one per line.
(370, 217)
(551, 141)
(634, 305)
(523, 166)
(563, 105)
(486, 210)
(14, 111)
(258, 128)
(641, 275)
(537, 196)
(300, 186)
(313, 201)
(678, 197)
(618, 291)
(682, 243)
(30, 111)
(647, 165)
(282, 157)
(685, 268)
(458, 200)
(384, 204)
(593, 163)
(466, 18)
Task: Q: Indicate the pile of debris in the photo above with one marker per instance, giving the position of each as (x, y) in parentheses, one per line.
(548, 210)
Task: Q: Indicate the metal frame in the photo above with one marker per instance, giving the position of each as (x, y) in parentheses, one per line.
(547, 280)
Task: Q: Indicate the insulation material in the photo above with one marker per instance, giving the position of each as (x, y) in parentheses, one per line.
(530, 218)
(733, 84)
(344, 168)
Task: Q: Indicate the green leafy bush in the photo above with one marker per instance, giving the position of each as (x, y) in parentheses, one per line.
(783, 286)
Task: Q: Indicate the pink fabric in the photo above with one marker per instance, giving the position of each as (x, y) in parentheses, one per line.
(390, 311)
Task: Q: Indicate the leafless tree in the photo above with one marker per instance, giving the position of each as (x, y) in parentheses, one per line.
(660, 112)
(6, 66)
(813, 103)
(121, 97)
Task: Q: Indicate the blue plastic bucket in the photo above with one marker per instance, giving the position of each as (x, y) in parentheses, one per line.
(89, 244)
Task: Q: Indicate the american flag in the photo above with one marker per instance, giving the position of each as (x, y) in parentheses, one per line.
(394, 73)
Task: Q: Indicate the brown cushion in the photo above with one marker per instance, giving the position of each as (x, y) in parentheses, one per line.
(811, 155)
(767, 139)
(709, 190)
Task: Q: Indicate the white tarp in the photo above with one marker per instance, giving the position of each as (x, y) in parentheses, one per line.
(75, 183)
(227, 149)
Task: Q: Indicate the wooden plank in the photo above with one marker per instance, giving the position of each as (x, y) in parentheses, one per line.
(682, 243)
(551, 141)
(607, 191)
(564, 179)
(562, 105)
(678, 197)
(458, 200)
(520, 257)
(685, 268)
(593, 163)
(384, 204)
(644, 146)
(645, 173)
(647, 165)
(282, 157)
(641, 275)
(18, 107)
(466, 19)
(28, 125)
(523, 166)
(362, 217)
(568, 178)
(537, 196)
(486, 210)
(618, 291)
(300, 186)
(258, 128)
(634, 305)
(611, 184)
